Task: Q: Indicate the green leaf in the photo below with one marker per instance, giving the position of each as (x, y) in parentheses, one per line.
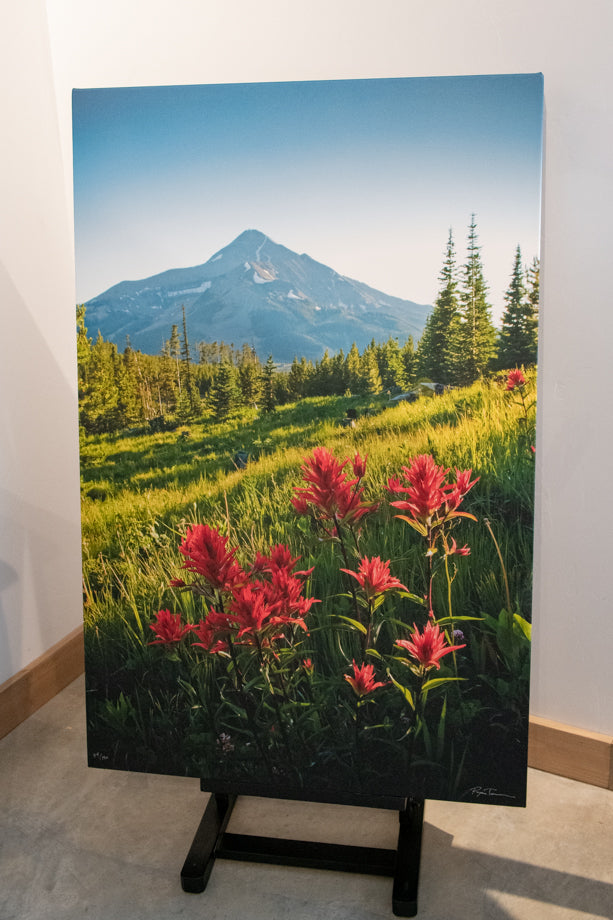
(525, 627)
(420, 528)
(404, 690)
(437, 681)
(463, 514)
(413, 597)
(353, 623)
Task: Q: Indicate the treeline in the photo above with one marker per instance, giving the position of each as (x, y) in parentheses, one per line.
(125, 389)
(459, 344)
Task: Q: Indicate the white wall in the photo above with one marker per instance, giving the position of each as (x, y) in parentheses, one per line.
(124, 42)
(39, 477)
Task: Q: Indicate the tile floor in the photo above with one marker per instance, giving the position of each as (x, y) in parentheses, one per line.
(79, 843)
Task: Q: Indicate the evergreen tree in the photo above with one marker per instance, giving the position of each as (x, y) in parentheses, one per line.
(338, 374)
(515, 337)
(369, 370)
(409, 360)
(353, 370)
(173, 349)
(250, 377)
(190, 387)
(130, 404)
(324, 376)
(532, 311)
(99, 391)
(268, 385)
(391, 365)
(224, 395)
(436, 344)
(474, 345)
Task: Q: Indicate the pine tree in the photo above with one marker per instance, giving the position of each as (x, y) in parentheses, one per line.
(409, 360)
(369, 371)
(391, 365)
(224, 395)
(195, 403)
(130, 404)
(474, 346)
(352, 370)
(250, 377)
(435, 356)
(515, 337)
(173, 349)
(532, 311)
(99, 391)
(268, 385)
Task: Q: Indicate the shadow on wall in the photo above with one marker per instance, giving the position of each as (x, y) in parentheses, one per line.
(40, 558)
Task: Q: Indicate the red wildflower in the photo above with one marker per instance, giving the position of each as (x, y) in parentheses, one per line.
(429, 646)
(214, 632)
(363, 680)
(359, 465)
(455, 550)
(515, 379)
(251, 610)
(278, 558)
(430, 499)
(169, 628)
(329, 492)
(284, 595)
(463, 484)
(207, 554)
(425, 489)
(374, 577)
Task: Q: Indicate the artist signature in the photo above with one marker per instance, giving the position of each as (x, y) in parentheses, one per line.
(489, 792)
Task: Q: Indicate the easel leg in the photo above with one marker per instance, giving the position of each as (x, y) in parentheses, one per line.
(406, 878)
(201, 857)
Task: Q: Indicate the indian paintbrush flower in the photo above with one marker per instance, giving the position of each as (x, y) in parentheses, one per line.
(206, 552)
(329, 493)
(430, 497)
(515, 379)
(363, 680)
(169, 628)
(427, 647)
(374, 577)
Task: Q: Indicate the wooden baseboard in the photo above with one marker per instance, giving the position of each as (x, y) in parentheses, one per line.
(571, 752)
(36, 684)
(552, 747)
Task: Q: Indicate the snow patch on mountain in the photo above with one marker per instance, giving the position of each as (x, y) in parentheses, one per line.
(195, 290)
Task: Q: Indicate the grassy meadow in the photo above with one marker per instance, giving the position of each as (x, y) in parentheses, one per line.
(458, 732)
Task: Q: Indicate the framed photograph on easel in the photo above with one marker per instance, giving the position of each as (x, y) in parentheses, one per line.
(308, 457)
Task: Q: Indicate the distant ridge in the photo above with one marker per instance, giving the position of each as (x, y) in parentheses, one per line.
(256, 291)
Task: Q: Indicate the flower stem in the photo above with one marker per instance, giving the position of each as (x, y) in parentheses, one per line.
(502, 566)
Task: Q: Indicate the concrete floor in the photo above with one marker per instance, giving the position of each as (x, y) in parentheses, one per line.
(82, 843)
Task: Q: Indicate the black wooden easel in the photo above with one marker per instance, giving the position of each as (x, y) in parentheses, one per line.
(213, 841)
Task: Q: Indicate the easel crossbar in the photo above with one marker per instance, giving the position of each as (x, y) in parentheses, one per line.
(212, 841)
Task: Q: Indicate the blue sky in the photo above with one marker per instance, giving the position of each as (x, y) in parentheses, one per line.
(366, 176)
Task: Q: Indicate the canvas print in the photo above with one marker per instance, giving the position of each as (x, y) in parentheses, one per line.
(307, 351)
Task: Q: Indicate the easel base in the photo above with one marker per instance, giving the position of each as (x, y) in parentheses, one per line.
(212, 841)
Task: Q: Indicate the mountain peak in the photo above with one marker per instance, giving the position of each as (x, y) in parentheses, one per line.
(250, 236)
(256, 291)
